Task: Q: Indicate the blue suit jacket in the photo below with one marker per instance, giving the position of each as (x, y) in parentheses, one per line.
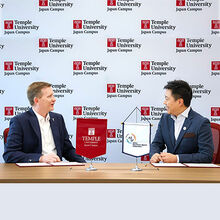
(194, 143)
(24, 139)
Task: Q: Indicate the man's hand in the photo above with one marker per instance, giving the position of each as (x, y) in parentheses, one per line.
(156, 158)
(168, 158)
(49, 158)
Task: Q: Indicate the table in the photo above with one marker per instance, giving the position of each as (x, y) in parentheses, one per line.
(107, 173)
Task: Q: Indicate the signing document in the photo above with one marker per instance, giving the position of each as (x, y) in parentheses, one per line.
(50, 164)
(201, 165)
(168, 165)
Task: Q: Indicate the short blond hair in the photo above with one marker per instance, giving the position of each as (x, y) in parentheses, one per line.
(34, 90)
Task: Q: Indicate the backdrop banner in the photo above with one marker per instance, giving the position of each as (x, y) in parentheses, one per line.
(104, 57)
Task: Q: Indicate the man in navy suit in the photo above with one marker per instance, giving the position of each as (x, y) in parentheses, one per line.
(185, 133)
(39, 135)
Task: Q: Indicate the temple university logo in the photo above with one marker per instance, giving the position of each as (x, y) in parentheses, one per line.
(145, 158)
(77, 65)
(77, 24)
(43, 2)
(43, 42)
(9, 111)
(145, 65)
(9, 24)
(111, 2)
(215, 24)
(145, 24)
(77, 110)
(215, 111)
(180, 2)
(215, 65)
(8, 66)
(145, 110)
(111, 42)
(111, 133)
(111, 88)
(180, 42)
(91, 131)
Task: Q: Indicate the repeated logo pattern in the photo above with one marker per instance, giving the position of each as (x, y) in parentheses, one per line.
(105, 59)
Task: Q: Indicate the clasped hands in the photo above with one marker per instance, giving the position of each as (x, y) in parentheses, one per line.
(164, 157)
(49, 158)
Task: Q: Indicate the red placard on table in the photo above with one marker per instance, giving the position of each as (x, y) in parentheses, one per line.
(91, 137)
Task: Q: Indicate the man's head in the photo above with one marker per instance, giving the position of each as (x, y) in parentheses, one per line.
(40, 96)
(178, 96)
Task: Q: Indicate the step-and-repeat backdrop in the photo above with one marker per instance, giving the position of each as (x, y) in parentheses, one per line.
(106, 57)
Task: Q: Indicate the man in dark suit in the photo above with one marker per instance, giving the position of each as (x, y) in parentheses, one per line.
(185, 133)
(39, 135)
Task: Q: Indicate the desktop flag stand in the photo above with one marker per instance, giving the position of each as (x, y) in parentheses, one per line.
(136, 138)
(91, 135)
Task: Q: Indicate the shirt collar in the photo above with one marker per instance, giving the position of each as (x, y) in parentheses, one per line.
(40, 117)
(184, 114)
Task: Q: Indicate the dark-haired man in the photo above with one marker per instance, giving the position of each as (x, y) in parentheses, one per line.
(39, 135)
(185, 133)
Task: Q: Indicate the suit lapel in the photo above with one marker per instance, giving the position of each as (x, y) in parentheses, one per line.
(171, 130)
(36, 127)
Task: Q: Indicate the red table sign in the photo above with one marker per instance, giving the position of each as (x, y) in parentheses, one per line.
(91, 137)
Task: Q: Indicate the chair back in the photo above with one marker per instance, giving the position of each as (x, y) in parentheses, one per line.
(5, 134)
(216, 141)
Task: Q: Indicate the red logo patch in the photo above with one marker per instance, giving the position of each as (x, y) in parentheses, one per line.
(215, 111)
(111, 133)
(9, 111)
(145, 65)
(77, 65)
(77, 24)
(215, 65)
(145, 158)
(145, 110)
(43, 42)
(180, 42)
(43, 2)
(145, 24)
(111, 42)
(77, 110)
(111, 2)
(215, 24)
(111, 88)
(180, 2)
(8, 66)
(9, 24)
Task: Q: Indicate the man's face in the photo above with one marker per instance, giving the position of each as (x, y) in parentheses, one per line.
(47, 100)
(173, 106)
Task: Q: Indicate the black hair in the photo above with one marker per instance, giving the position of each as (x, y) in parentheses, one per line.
(180, 89)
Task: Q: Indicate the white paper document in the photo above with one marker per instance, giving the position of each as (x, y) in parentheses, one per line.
(168, 165)
(33, 164)
(50, 164)
(67, 164)
(201, 165)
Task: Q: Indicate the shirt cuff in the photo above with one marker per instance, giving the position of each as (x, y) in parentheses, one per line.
(178, 160)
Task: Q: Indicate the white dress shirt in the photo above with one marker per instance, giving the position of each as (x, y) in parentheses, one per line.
(48, 145)
(178, 124)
